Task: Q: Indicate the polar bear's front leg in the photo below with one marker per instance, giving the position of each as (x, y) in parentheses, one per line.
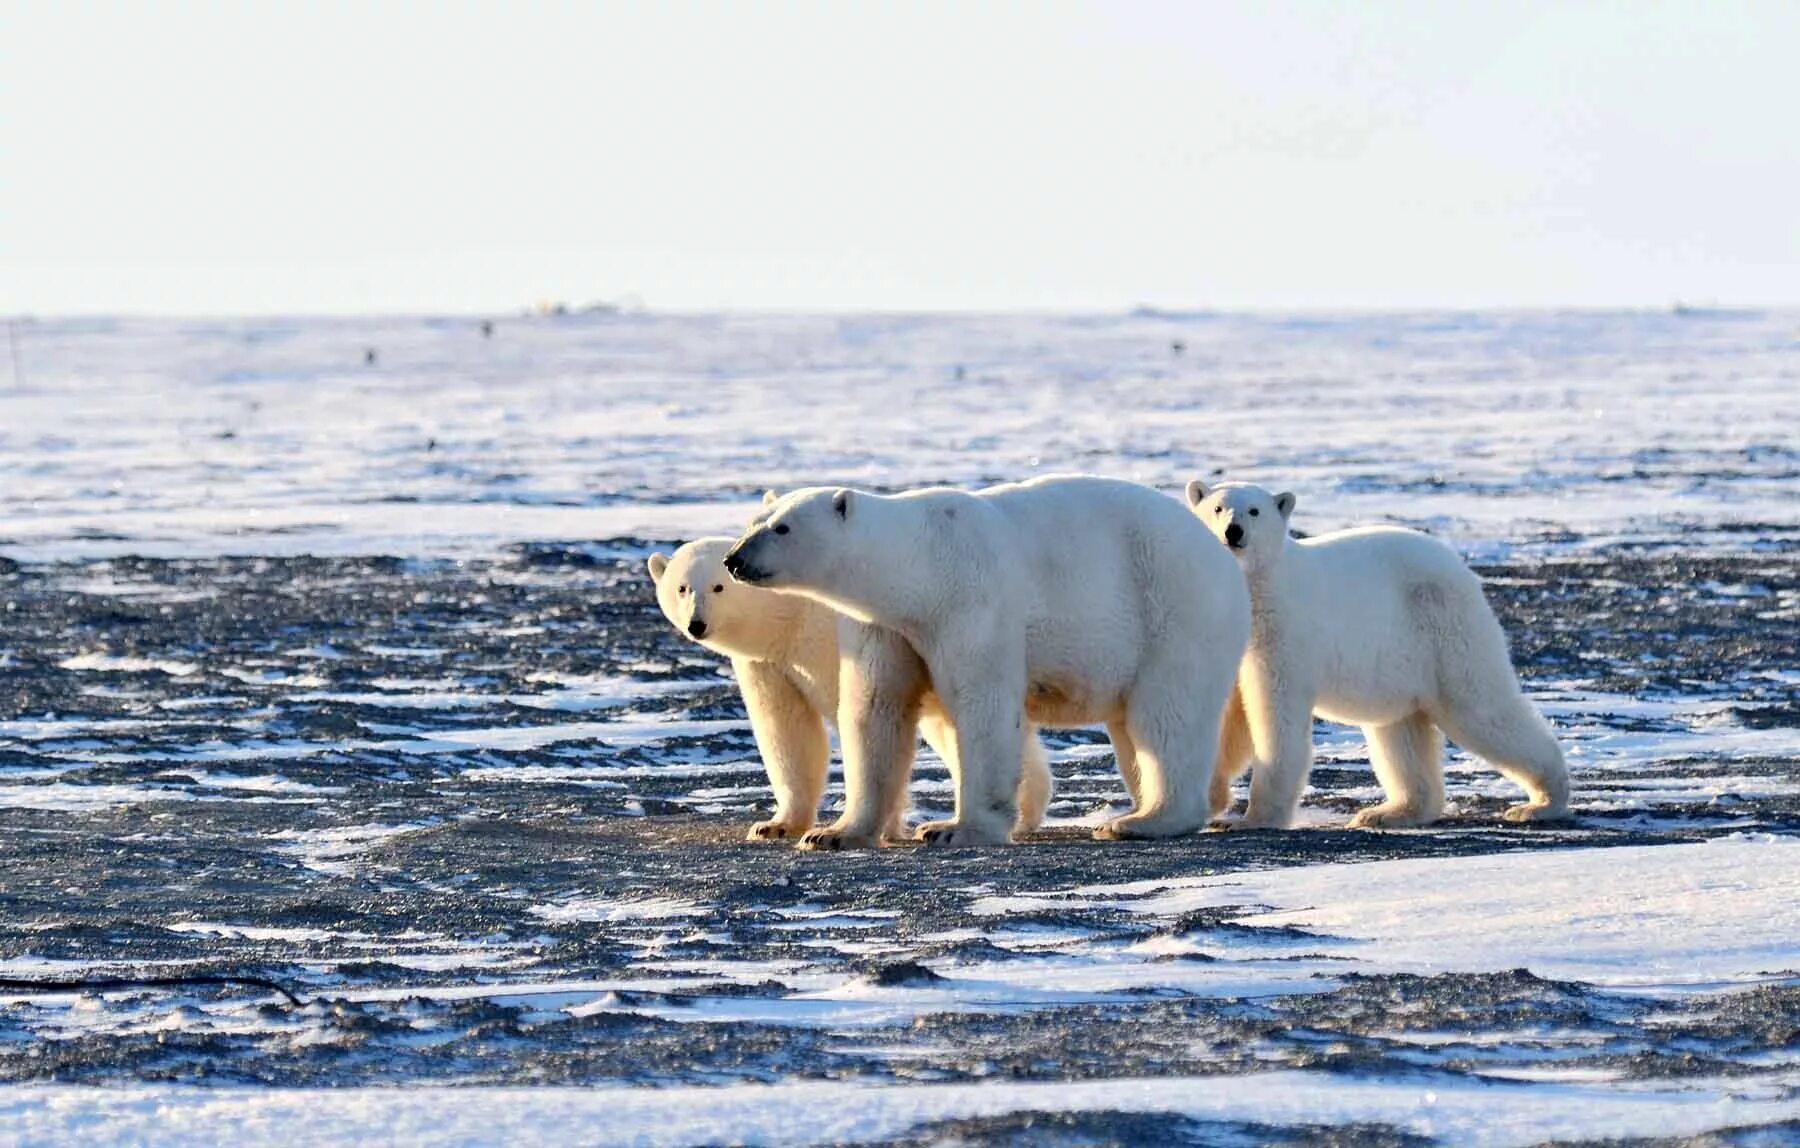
(982, 690)
(881, 680)
(795, 750)
(1280, 715)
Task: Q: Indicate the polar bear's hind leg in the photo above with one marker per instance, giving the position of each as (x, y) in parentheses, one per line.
(1174, 730)
(1514, 737)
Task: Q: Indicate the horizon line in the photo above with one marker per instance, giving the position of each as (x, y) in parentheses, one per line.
(595, 309)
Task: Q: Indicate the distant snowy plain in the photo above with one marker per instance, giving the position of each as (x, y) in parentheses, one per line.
(459, 497)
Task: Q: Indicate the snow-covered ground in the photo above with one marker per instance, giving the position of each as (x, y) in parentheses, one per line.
(1500, 430)
(345, 673)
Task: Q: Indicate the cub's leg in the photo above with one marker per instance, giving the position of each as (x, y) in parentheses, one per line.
(1125, 753)
(1235, 751)
(1280, 717)
(790, 735)
(880, 683)
(1408, 756)
(1035, 783)
(1510, 733)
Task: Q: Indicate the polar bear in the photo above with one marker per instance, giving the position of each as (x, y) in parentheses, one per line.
(1089, 599)
(1382, 627)
(784, 651)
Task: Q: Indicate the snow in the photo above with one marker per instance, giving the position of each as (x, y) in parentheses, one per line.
(1640, 917)
(1449, 1108)
(170, 437)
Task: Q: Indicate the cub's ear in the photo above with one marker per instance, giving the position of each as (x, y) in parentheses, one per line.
(840, 502)
(770, 497)
(1284, 502)
(657, 564)
(1196, 492)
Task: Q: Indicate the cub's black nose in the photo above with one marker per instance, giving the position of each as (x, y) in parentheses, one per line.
(697, 628)
(1234, 535)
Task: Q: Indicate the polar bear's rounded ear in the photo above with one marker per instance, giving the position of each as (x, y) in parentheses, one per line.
(1196, 492)
(657, 564)
(770, 497)
(840, 502)
(1284, 502)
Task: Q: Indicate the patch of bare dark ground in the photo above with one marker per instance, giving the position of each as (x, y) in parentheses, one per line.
(301, 667)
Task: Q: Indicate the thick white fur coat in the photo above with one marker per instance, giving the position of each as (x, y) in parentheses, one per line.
(1383, 628)
(784, 652)
(1089, 600)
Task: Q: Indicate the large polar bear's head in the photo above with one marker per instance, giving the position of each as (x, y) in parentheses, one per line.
(706, 604)
(1251, 522)
(804, 541)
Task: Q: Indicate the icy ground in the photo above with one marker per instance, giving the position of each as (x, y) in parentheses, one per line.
(346, 674)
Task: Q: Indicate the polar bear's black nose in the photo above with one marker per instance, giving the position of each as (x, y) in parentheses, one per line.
(1234, 535)
(697, 627)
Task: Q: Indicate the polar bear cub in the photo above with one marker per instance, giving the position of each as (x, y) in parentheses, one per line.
(1380, 627)
(1087, 599)
(784, 651)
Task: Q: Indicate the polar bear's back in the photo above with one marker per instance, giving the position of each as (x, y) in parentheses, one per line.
(1386, 613)
(1062, 522)
(1365, 559)
(1111, 563)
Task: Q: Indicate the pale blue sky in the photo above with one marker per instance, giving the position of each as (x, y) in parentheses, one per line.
(255, 157)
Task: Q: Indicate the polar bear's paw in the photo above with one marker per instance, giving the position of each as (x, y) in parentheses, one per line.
(832, 839)
(1389, 817)
(961, 835)
(1531, 811)
(775, 829)
(1144, 827)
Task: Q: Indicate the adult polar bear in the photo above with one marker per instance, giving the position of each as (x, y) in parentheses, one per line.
(1381, 627)
(1093, 600)
(784, 651)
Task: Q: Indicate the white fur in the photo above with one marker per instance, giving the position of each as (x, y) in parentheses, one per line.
(1089, 599)
(1383, 628)
(784, 651)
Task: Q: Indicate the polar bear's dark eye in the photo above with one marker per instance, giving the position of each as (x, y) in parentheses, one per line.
(782, 529)
(719, 589)
(1218, 510)
(681, 589)
(1254, 512)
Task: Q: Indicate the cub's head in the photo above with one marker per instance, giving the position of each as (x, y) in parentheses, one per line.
(1251, 522)
(700, 599)
(798, 541)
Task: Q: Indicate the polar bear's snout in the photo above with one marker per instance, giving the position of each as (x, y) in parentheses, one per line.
(697, 627)
(740, 560)
(1234, 536)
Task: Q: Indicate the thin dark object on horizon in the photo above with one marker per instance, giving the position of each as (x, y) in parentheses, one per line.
(148, 983)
